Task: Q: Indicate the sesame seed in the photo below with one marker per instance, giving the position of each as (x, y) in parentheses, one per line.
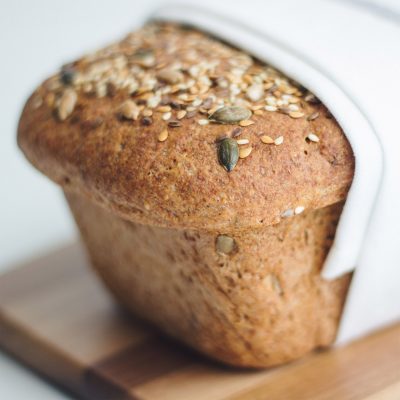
(313, 116)
(162, 137)
(245, 152)
(203, 121)
(278, 141)
(246, 122)
(243, 141)
(267, 139)
(298, 210)
(270, 108)
(313, 137)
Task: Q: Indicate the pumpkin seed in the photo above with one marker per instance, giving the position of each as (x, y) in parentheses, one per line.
(230, 115)
(224, 244)
(67, 74)
(228, 153)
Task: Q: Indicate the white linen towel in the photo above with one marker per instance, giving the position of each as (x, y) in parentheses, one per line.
(348, 54)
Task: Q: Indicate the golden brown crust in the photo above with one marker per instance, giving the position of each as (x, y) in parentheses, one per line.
(121, 164)
(264, 303)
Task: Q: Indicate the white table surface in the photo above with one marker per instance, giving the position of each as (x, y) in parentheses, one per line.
(36, 37)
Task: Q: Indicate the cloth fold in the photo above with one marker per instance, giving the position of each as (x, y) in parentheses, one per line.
(350, 58)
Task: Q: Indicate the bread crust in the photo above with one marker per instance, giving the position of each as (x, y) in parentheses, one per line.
(179, 182)
(262, 305)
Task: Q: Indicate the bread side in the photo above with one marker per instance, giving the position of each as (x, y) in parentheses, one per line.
(129, 127)
(256, 303)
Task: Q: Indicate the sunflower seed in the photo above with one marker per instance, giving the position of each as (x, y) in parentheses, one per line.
(228, 153)
(166, 116)
(230, 115)
(174, 124)
(296, 114)
(313, 116)
(170, 76)
(129, 110)
(144, 57)
(147, 113)
(181, 114)
(162, 137)
(246, 122)
(243, 141)
(267, 139)
(255, 92)
(67, 104)
(313, 137)
(164, 109)
(298, 210)
(236, 132)
(245, 152)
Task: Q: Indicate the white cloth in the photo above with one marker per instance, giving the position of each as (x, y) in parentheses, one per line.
(348, 54)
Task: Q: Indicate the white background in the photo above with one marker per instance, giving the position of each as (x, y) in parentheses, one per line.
(36, 37)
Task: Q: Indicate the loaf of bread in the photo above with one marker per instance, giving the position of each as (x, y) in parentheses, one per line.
(206, 186)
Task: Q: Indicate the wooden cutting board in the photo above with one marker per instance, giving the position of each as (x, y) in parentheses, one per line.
(57, 318)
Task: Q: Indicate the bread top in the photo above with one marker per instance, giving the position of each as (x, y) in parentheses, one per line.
(139, 127)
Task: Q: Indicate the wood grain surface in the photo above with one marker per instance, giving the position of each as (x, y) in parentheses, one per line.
(56, 318)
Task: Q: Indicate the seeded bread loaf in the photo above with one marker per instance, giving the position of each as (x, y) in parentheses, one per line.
(206, 185)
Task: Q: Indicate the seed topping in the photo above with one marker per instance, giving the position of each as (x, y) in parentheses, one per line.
(230, 115)
(228, 153)
(245, 152)
(162, 137)
(267, 139)
(66, 104)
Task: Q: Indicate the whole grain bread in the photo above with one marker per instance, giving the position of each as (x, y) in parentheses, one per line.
(134, 134)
